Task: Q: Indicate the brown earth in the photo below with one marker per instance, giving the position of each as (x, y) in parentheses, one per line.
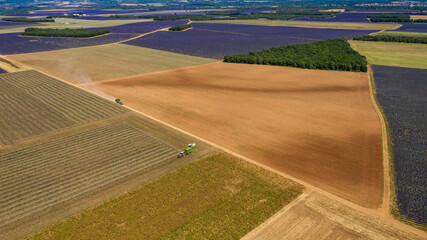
(417, 17)
(314, 216)
(318, 126)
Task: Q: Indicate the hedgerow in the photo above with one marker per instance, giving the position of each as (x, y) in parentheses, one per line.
(384, 38)
(28, 20)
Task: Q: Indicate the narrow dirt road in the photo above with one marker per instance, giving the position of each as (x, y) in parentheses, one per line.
(385, 206)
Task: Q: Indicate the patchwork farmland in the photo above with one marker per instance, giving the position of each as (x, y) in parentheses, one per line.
(293, 125)
(300, 153)
(33, 104)
(217, 40)
(72, 150)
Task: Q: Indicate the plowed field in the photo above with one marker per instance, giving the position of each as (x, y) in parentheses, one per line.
(318, 126)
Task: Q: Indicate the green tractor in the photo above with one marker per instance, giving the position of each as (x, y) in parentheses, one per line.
(119, 101)
(188, 150)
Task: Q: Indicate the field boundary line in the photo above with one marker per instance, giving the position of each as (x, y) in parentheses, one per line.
(276, 216)
(385, 203)
(372, 212)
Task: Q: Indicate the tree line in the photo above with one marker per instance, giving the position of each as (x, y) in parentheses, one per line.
(391, 38)
(237, 15)
(333, 54)
(27, 20)
(67, 32)
(394, 17)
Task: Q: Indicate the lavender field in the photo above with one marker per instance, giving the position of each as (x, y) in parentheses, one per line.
(12, 43)
(342, 17)
(2, 71)
(217, 40)
(143, 27)
(412, 27)
(401, 92)
(4, 24)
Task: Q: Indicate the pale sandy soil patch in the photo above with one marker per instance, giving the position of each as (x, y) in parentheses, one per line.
(80, 65)
(318, 126)
(315, 216)
(416, 17)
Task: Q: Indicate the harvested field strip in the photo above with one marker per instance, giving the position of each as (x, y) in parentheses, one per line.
(127, 61)
(32, 104)
(38, 177)
(218, 197)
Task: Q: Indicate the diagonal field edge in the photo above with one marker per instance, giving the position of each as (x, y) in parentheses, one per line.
(372, 212)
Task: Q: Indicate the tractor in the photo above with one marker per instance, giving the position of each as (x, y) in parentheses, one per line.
(119, 101)
(188, 150)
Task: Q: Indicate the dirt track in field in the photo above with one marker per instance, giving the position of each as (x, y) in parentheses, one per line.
(314, 216)
(318, 126)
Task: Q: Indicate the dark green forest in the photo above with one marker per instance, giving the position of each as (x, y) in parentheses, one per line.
(49, 32)
(333, 54)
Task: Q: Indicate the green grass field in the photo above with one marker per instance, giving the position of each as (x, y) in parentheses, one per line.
(218, 197)
(308, 24)
(81, 65)
(411, 55)
(398, 33)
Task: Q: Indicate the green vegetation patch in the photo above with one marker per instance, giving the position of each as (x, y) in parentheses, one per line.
(180, 27)
(389, 38)
(409, 55)
(218, 197)
(28, 20)
(399, 33)
(334, 54)
(67, 32)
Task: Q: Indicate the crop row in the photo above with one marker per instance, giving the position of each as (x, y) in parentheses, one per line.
(13, 43)
(36, 178)
(218, 40)
(32, 104)
(402, 94)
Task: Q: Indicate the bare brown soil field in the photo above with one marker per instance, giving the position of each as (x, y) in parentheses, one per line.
(314, 216)
(88, 64)
(317, 126)
(416, 17)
